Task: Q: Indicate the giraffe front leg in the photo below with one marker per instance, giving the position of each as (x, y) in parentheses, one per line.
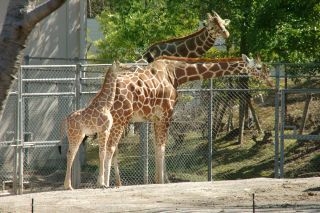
(159, 155)
(115, 135)
(108, 161)
(102, 137)
(116, 168)
(161, 132)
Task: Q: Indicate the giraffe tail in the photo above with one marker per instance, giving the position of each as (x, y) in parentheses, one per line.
(62, 134)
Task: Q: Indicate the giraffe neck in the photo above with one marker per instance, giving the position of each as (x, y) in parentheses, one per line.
(105, 97)
(185, 69)
(191, 46)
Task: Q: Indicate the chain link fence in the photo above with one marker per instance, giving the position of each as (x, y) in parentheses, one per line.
(300, 138)
(231, 120)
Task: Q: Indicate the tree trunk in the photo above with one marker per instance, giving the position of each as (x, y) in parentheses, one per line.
(16, 28)
(305, 114)
(255, 117)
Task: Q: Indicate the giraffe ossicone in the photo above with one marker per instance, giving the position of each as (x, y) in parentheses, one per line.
(95, 118)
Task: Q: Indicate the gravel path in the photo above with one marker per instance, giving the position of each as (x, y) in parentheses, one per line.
(282, 195)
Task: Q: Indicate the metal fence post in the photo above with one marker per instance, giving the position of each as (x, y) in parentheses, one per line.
(26, 59)
(76, 167)
(17, 136)
(18, 173)
(210, 133)
(276, 123)
(144, 137)
(283, 117)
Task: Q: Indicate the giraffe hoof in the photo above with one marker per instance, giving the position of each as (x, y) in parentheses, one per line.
(68, 188)
(103, 186)
(118, 185)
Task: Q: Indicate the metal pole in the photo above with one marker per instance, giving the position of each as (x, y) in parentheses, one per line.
(19, 138)
(26, 59)
(21, 147)
(210, 133)
(144, 137)
(253, 204)
(283, 108)
(76, 168)
(285, 87)
(16, 176)
(276, 123)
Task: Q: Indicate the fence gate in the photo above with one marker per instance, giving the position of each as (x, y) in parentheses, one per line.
(300, 129)
(45, 95)
(8, 144)
(299, 119)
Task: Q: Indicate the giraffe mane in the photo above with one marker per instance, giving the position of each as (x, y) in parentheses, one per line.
(198, 59)
(179, 38)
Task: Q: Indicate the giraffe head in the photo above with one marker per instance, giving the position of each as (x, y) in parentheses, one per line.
(115, 65)
(257, 69)
(217, 26)
(114, 68)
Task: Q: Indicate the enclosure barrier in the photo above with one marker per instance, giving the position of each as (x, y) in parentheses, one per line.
(221, 129)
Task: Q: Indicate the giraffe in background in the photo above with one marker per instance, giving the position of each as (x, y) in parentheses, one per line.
(151, 94)
(193, 45)
(96, 118)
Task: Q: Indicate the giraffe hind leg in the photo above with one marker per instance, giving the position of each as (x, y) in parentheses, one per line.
(74, 143)
(115, 135)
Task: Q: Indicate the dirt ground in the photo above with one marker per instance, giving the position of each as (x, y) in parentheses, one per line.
(270, 195)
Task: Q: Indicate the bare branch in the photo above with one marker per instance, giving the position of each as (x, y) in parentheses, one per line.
(41, 11)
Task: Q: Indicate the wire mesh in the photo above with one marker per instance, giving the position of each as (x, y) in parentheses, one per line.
(7, 140)
(301, 125)
(242, 130)
(47, 97)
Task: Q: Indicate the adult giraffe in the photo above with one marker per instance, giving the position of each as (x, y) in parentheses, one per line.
(151, 94)
(193, 45)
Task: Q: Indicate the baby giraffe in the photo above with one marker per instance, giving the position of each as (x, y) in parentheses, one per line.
(96, 118)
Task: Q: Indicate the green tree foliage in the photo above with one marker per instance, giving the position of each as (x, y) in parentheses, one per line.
(279, 30)
(131, 26)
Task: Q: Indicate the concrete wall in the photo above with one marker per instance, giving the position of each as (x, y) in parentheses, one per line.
(94, 34)
(61, 35)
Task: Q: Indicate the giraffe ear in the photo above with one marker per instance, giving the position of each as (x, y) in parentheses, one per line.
(245, 58)
(226, 22)
(214, 13)
(115, 65)
(258, 58)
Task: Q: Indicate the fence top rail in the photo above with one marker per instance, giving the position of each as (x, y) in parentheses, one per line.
(48, 66)
(294, 64)
(300, 90)
(101, 65)
(54, 80)
(48, 94)
(222, 90)
(95, 65)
